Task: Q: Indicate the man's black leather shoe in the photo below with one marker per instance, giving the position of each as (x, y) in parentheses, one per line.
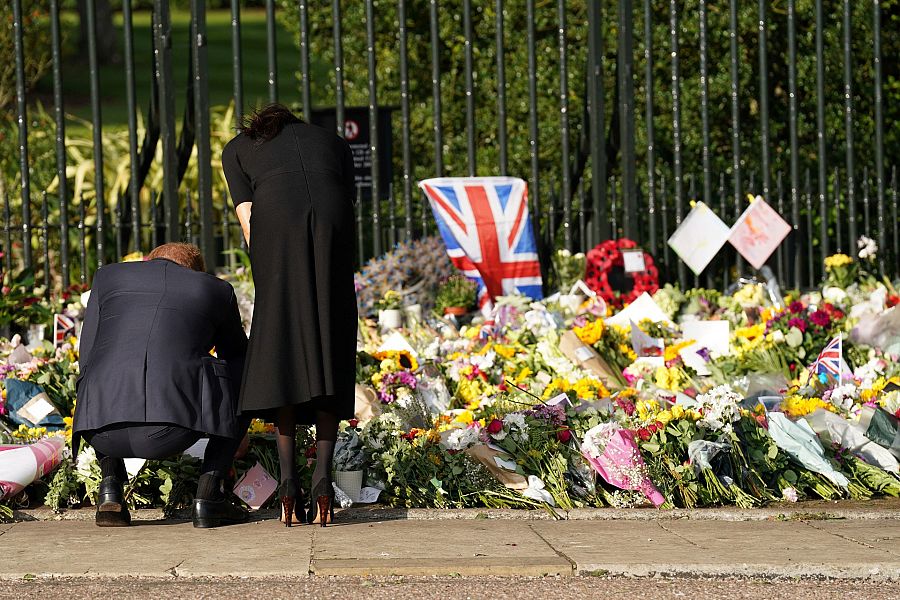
(213, 513)
(111, 509)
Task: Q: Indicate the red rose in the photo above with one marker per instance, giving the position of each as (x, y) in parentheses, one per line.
(311, 451)
(495, 426)
(652, 428)
(643, 434)
(564, 435)
(353, 423)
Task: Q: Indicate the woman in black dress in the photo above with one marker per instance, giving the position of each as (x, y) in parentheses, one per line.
(296, 180)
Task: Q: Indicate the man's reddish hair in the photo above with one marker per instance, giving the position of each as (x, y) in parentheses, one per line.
(186, 255)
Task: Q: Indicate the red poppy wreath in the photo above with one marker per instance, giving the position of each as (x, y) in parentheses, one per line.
(606, 255)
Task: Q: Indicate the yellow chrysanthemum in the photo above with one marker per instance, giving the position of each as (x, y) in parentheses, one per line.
(838, 260)
(795, 406)
(590, 389)
(591, 333)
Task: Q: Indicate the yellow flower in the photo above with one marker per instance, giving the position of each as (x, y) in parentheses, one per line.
(556, 387)
(672, 352)
(506, 352)
(396, 360)
(677, 412)
(590, 389)
(524, 374)
(838, 260)
(751, 332)
(591, 333)
(626, 350)
(646, 409)
(258, 426)
(466, 416)
(133, 257)
(796, 406)
(664, 416)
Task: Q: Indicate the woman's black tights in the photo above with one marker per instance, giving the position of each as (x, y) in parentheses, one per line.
(326, 436)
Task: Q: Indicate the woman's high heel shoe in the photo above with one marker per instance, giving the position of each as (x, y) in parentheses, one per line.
(291, 502)
(322, 510)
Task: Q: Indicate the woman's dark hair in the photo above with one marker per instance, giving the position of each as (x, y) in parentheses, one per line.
(264, 124)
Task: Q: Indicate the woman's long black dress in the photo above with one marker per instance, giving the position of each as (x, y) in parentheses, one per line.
(303, 338)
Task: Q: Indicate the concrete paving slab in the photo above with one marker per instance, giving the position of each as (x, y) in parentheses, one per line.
(775, 549)
(4, 527)
(81, 548)
(436, 548)
(883, 536)
(256, 549)
(784, 548)
(610, 545)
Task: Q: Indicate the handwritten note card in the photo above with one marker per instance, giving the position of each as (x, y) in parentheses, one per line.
(758, 232)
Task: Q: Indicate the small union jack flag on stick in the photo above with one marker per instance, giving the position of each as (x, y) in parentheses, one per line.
(485, 224)
(63, 329)
(830, 363)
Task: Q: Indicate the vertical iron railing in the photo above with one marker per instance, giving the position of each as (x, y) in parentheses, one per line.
(616, 169)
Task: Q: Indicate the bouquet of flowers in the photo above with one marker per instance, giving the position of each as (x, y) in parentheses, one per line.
(613, 453)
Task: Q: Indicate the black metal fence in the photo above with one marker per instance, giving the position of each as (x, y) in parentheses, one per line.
(619, 163)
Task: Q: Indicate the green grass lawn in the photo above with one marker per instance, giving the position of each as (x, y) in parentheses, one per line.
(76, 83)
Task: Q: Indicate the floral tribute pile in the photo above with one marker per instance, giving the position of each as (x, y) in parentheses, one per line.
(551, 405)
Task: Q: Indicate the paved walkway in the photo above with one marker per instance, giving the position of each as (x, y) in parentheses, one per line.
(864, 543)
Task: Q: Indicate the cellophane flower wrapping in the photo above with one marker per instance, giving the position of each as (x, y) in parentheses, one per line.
(613, 453)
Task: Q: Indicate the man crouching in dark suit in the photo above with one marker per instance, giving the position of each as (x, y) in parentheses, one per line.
(149, 387)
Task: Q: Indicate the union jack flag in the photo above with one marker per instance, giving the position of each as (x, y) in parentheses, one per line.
(830, 361)
(485, 224)
(63, 328)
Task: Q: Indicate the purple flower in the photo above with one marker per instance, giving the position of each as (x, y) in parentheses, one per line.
(555, 415)
(391, 381)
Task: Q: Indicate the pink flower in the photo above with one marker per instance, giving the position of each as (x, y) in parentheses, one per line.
(796, 307)
(798, 323)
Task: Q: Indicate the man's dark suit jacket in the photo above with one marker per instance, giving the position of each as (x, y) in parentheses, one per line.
(145, 349)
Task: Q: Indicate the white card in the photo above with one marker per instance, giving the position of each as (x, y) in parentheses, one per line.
(633, 261)
(198, 449)
(644, 308)
(36, 409)
(368, 495)
(509, 465)
(699, 237)
(712, 335)
(133, 466)
(559, 399)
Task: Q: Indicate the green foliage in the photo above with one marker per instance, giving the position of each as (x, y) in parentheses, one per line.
(20, 304)
(456, 291)
(36, 41)
(453, 96)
